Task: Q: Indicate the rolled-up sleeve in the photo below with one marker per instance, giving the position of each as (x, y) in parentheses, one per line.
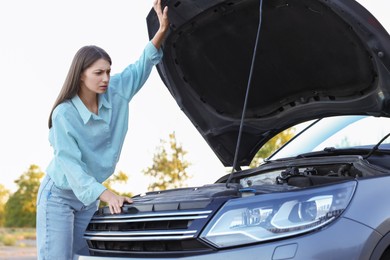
(132, 78)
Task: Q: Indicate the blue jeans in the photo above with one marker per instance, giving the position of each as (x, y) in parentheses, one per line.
(61, 222)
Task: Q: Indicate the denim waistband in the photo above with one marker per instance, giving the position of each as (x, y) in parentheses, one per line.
(48, 184)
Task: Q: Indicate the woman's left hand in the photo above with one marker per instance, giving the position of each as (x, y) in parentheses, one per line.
(114, 201)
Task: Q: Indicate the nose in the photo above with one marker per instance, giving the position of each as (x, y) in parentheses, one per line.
(106, 78)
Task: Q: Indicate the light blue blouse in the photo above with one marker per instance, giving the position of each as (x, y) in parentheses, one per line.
(87, 146)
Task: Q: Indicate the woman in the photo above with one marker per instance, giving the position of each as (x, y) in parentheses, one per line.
(88, 125)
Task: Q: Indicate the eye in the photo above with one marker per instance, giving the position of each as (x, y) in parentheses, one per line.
(101, 72)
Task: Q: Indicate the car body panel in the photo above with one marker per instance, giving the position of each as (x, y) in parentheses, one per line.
(314, 59)
(357, 234)
(306, 247)
(374, 213)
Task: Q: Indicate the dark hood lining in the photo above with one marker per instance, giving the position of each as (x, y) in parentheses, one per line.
(307, 53)
(316, 58)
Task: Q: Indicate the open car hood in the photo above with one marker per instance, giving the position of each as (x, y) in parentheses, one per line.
(315, 58)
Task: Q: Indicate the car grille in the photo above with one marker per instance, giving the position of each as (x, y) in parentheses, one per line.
(166, 223)
(142, 233)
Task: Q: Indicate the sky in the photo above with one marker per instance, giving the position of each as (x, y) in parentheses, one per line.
(38, 41)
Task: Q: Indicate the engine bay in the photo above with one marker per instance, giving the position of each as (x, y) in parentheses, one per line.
(302, 177)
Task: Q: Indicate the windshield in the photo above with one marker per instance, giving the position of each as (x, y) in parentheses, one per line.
(337, 132)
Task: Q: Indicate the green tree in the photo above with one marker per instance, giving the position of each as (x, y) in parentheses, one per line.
(272, 145)
(20, 209)
(118, 178)
(169, 169)
(4, 193)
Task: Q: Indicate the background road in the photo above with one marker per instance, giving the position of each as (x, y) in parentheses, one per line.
(26, 252)
(17, 253)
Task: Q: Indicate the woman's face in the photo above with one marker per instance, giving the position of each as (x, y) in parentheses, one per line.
(95, 79)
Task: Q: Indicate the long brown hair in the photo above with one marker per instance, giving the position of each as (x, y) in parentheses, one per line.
(83, 59)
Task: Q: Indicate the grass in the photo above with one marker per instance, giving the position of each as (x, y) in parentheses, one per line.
(16, 236)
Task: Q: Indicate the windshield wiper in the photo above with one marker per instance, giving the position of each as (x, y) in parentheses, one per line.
(246, 96)
(331, 151)
(376, 147)
(351, 150)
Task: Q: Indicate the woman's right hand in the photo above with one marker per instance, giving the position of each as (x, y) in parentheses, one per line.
(114, 201)
(162, 16)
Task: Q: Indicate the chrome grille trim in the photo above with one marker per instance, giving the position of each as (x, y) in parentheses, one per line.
(147, 219)
(104, 252)
(139, 233)
(153, 214)
(138, 238)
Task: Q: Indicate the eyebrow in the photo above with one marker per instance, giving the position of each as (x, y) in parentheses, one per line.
(109, 69)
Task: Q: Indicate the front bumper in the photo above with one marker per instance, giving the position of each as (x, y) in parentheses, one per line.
(351, 239)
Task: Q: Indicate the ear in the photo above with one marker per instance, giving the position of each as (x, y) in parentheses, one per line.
(82, 77)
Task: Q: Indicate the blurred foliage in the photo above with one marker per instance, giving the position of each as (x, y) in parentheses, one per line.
(119, 178)
(20, 209)
(169, 168)
(15, 236)
(8, 240)
(272, 145)
(4, 194)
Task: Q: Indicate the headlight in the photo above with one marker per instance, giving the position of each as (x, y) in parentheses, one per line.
(271, 216)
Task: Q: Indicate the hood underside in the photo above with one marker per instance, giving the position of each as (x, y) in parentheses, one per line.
(314, 59)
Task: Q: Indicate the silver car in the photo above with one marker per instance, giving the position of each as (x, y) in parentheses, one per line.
(243, 71)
